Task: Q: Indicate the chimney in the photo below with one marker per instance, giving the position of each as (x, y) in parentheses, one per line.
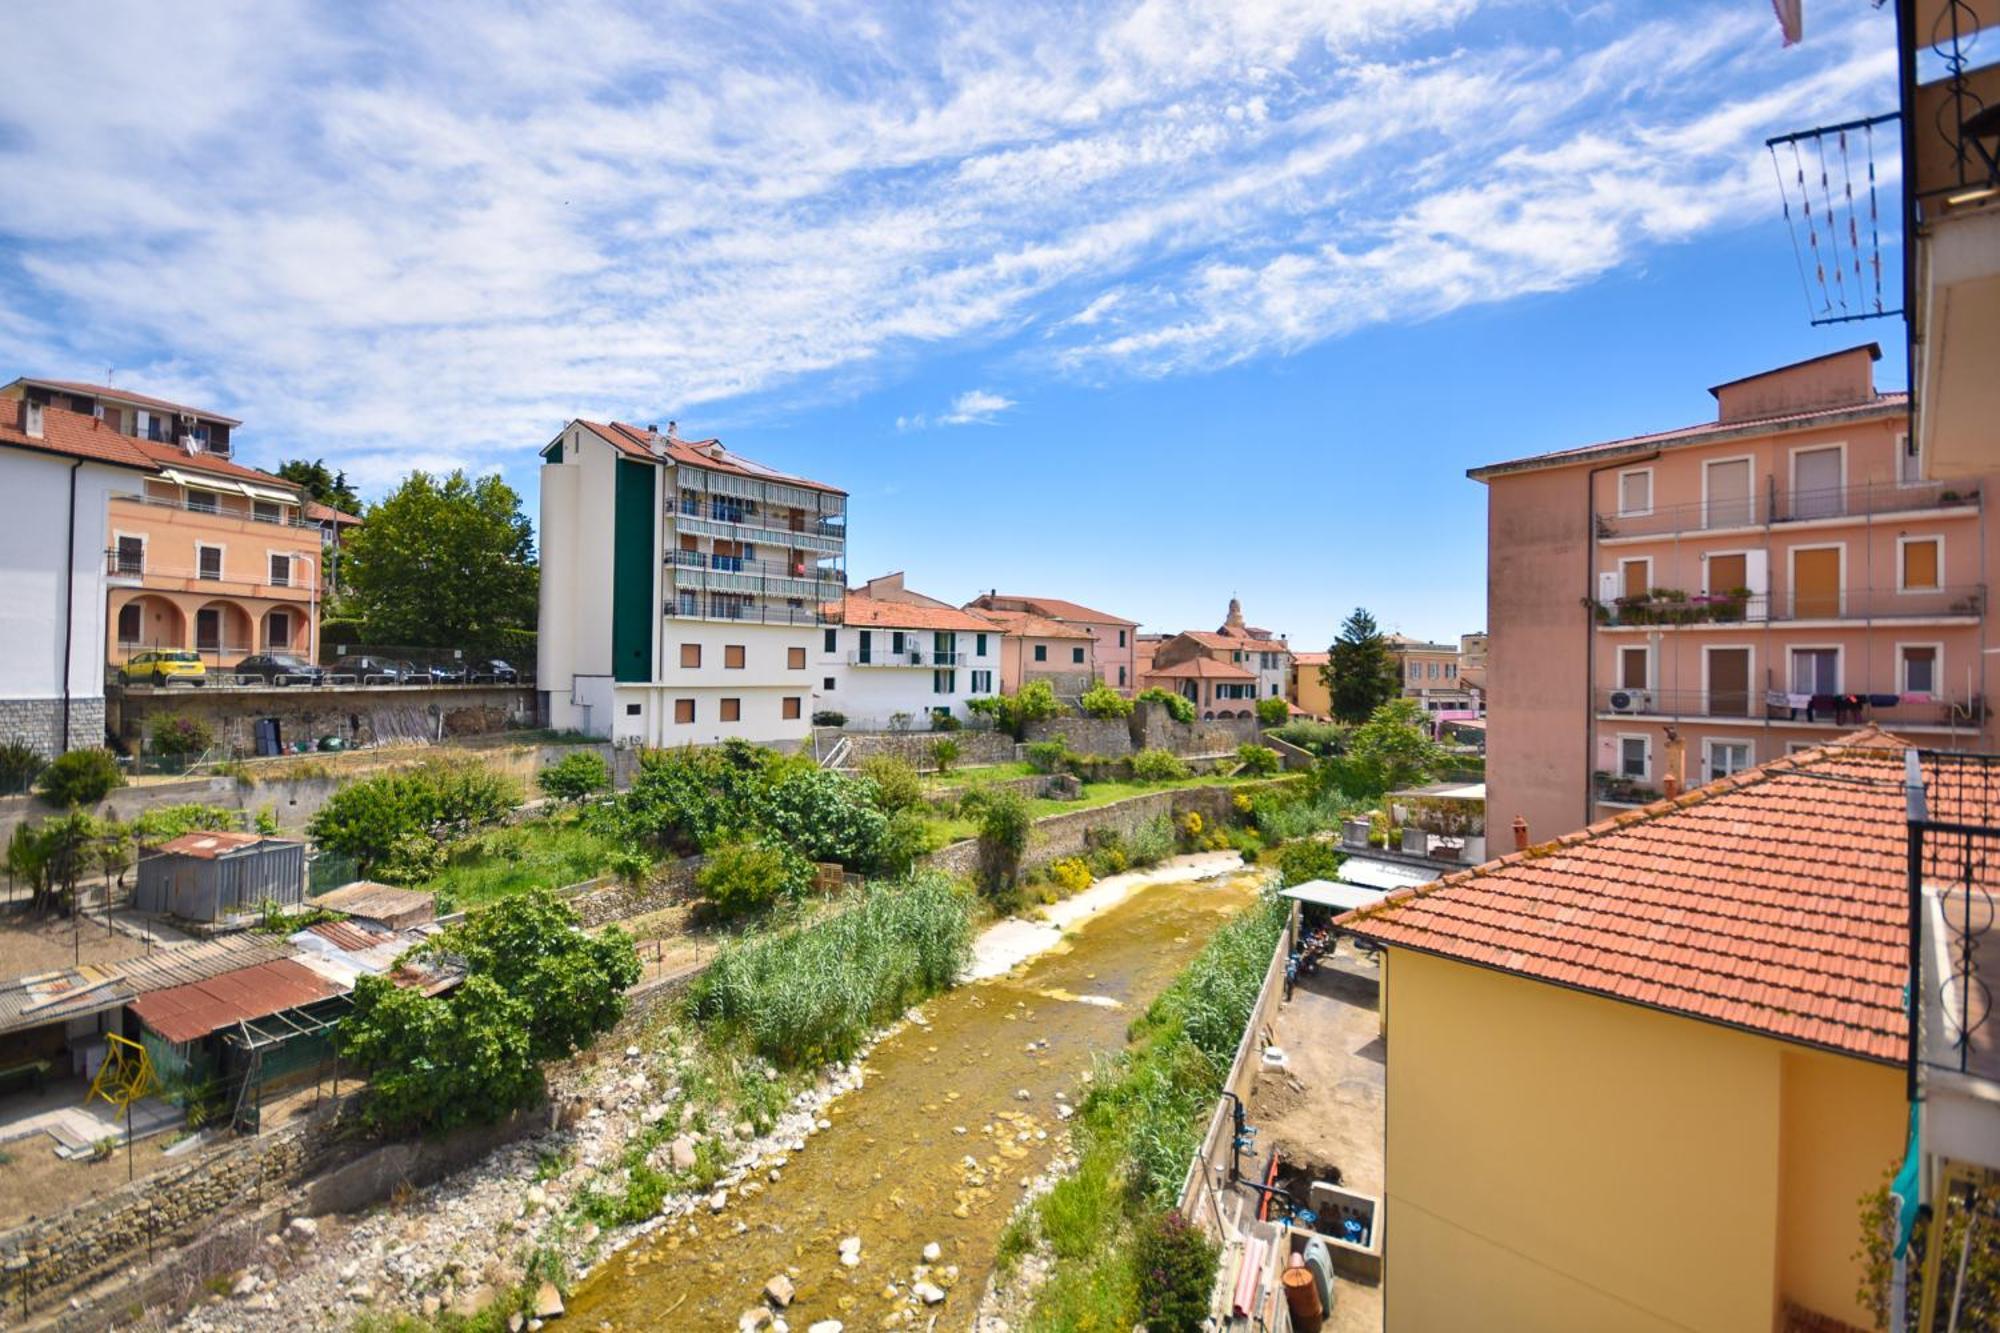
(1520, 833)
(31, 419)
(672, 426)
(1671, 785)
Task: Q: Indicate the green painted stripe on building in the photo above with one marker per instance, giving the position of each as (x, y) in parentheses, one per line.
(632, 564)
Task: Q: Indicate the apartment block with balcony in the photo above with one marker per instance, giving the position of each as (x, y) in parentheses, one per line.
(204, 554)
(1430, 675)
(684, 588)
(895, 664)
(1749, 586)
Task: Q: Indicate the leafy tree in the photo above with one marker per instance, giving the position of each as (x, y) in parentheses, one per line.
(1359, 673)
(52, 855)
(1307, 859)
(1179, 707)
(1100, 700)
(1273, 711)
(444, 562)
(574, 777)
(1390, 750)
(825, 816)
(329, 488)
(905, 840)
(385, 822)
(742, 877)
(1257, 760)
(81, 777)
(897, 786)
(1004, 827)
(166, 822)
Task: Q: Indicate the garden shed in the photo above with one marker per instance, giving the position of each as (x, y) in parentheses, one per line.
(209, 876)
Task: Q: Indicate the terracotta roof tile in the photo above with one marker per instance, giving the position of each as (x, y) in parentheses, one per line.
(632, 441)
(1774, 901)
(127, 396)
(73, 434)
(1056, 608)
(868, 612)
(1029, 625)
(1202, 668)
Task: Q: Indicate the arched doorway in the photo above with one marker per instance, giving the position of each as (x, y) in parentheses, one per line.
(222, 632)
(145, 622)
(284, 631)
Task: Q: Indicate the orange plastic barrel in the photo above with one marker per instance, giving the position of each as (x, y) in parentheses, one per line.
(1302, 1299)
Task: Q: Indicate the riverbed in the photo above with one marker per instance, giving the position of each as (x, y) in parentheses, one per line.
(957, 1115)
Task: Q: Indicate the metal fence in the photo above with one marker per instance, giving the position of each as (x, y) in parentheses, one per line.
(341, 665)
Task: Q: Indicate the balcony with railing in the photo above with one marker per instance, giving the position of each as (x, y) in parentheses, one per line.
(285, 517)
(1930, 712)
(718, 516)
(1620, 789)
(1777, 507)
(1955, 833)
(1671, 608)
(750, 609)
(912, 656)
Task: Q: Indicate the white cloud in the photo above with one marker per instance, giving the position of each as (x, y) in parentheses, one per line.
(440, 229)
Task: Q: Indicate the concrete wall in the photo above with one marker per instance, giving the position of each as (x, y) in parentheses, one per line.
(359, 716)
(1558, 1161)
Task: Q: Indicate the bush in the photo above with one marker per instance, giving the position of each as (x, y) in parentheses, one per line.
(1273, 711)
(1152, 842)
(897, 786)
(814, 993)
(1307, 860)
(167, 822)
(81, 777)
(19, 764)
(176, 735)
(1178, 708)
(743, 877)
(1004, 827)
(1257, 761)
(822, 815)
(383, 822)
(1071, 873)
(944, 753)
(575, 776)
(1320, 738)
(1034, 702)
(1157, 765)
(1052, 756)
(827, 717)
(1100, 700)
(944, 720)
(907, 839)
(1176, 1266)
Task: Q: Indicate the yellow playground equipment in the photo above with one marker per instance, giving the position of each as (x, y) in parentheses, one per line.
(126, 1074)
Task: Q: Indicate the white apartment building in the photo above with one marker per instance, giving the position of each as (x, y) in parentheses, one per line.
(895, 664)
(684, 588)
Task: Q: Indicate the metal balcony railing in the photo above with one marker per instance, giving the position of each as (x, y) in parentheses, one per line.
(908, 657)
(1619, 789)
(1954, 883)
(709, 561)
(1844, 709)
(1667, 607)
(216, 511)
(752, 610)
(1775, 505)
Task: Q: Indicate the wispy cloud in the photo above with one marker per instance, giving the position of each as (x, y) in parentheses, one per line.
(446, 227)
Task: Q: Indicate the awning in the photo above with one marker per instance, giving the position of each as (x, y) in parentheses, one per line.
(1340, 897)
(1383, 875)
(256, 492)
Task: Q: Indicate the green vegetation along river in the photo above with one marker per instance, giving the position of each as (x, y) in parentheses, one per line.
(937, 1146)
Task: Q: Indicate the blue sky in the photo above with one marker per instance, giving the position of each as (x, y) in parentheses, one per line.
(1145, 304)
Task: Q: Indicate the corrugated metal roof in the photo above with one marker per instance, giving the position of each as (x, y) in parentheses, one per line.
(186, 1013)
(78, 992)
(379, 902)
(209, 844)
(184, 963)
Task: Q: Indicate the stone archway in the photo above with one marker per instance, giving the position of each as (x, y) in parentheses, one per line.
(144, 622)
(223, 632)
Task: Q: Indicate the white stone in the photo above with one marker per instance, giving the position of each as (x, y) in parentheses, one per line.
(927, 1292)
(779, 1291)
(827, 1326)
(681, 1152)
(548, 1301)
(718, 1201)
(933, 1252)
(753, 1319)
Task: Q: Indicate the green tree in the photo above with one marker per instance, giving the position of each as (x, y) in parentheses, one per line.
(1259, 761)
(574, 777)
(1100, 700)
(443, 562)
(1359, 673)
(1273, 711)
(1003, 840)
(1179, 707)
(1391, 750)
(328, 487)
(742, 877)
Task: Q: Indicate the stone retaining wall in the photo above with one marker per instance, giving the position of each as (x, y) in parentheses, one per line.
(360, 715)
(601, 901)
(1154, 728)
(914, 747)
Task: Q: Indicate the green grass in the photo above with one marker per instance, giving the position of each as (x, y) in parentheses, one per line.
(976, 776)
(507, 861)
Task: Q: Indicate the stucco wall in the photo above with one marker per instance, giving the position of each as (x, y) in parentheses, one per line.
(1558, 1161)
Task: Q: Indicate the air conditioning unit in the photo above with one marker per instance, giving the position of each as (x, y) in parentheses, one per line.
(1631, 701)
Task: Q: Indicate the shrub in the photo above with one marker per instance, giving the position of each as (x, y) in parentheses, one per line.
(1178, 708)
(383, 821)
(813, 993)
(897, 786)
(1320, 738)
(905, 840)
(1157, 765)
(1257, 761)
(1004, 827)
(1176, 1267)
(1273, 711)
(822, 815)
(1100, 700)
(19, 764)
(167, 822)
(575, 776)
(743, 877)
(176, 735)
(1034, 702)
(1152, 842)
(1191, 827)
(81, 777)
(1071, 873)
(827, 717)
(944, 753)
(1388, 751)
(1307, 860)
(944, 720)
(1051, 756)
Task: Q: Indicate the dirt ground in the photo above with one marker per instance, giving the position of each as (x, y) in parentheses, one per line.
(29, 945)
(34, 1182)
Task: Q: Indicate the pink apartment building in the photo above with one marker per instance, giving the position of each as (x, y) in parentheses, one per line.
(1114, 639)
(1673, 607)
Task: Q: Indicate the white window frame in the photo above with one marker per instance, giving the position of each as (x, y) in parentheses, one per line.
(1902, 586)
(1708, 745)
(1645, 560)
(1748, 522)
(1618, 663)
(1839, 652)
(1749, 675)
(1708, 588)
(221, 562)
(1903, 451)
(1936, 690)
(1792, 472)
(1792, 576)
(1645, 773)
(1645, 472)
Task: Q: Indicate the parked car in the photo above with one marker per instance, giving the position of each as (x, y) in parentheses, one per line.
(158, 666)
(445, 673)
(495, 670)
(371, 670)
(281, 669)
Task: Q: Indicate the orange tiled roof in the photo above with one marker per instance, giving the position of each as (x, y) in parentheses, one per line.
(320, 513)
(1028, 625)
(632, 442)
(1310, 659)
(1056, 608)
(1774, 901)
(1203, 668)
(870, 612)
(161, 455)
(76, 435)
(126, 396)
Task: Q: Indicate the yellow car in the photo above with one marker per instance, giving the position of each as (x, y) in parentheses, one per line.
(159, 667)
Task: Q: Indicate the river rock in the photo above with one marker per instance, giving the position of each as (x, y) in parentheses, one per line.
(779, 1291)
(681, 1150)
(753, 1319)
(828, 1326)
(245, 1285)
(927, 1292)
(850, 1251)
(548, 1301)
(718, 1201)
(933, 1252)
(301, 1229)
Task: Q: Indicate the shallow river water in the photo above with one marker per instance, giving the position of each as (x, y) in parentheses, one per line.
(937, 1146)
